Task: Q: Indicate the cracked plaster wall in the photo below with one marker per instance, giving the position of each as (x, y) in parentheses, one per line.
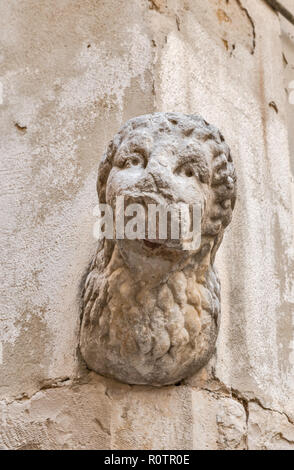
(71, 72)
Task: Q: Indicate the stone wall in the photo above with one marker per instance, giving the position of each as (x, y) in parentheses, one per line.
(71, 72)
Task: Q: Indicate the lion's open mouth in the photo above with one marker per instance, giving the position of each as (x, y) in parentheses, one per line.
(161, 245)
(152, 245)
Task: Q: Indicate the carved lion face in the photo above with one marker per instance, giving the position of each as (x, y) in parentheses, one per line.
(160, 165)
(171, 158)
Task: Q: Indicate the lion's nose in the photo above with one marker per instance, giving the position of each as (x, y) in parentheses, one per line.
(155, 178)
(158, 175)
(157, 164)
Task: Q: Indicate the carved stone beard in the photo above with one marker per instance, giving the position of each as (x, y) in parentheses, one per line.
(145, 327)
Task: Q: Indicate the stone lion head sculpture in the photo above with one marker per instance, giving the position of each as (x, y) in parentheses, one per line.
(150, 309)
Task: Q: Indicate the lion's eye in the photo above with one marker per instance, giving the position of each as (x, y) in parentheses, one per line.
(135, 161)
(132, 160)
(186, 170)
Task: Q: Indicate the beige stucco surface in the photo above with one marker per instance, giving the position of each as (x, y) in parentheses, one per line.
(71, 72)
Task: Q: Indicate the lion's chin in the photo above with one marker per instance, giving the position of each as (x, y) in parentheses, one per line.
(156, 247)
(150, 260)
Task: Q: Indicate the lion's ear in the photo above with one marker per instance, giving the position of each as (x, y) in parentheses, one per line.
(103, 172)
(217, 242)
(105, 166)
(233, 201)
